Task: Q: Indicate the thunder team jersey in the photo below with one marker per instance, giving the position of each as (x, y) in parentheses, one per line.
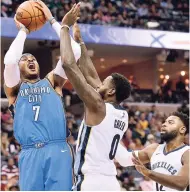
(167, 163)
(38, 114)
(97, 145)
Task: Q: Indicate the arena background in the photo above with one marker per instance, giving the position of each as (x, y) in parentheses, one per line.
(147, 41)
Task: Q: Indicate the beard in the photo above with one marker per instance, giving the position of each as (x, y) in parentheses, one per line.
(167, 137)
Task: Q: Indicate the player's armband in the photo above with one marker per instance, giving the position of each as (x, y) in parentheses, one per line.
(75, 46)
(59, 70)
(124, 157)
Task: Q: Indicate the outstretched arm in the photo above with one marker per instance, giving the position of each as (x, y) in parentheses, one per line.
(58, 76)
(11, 61)
(85, 63)
(87, 93)
(179, 181)
(125, 158)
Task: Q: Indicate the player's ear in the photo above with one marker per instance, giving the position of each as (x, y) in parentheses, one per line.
(182, 130)
(111, 91)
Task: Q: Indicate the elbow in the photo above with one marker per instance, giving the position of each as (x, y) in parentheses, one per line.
(182, 185)
(180, 188)
(66, 62)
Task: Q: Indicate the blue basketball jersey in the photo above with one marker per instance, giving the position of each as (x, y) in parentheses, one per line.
(38, 114)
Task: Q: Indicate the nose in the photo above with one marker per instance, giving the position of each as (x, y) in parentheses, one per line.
(30, 59)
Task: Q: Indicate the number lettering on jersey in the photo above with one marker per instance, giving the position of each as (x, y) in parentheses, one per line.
(159, 188)
(37, 111)
(119, 124)
(114, 146)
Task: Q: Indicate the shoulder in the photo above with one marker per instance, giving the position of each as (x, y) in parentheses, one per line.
(185, 156)
(150, 149)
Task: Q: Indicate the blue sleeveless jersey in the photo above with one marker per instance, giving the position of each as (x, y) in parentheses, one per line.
(38, 114)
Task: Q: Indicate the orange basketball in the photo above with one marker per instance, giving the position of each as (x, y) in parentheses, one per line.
(30, 16)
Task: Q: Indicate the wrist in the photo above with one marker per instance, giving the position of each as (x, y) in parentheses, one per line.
(24, 30)
(64, 26)
(148, 172)
(52, 20)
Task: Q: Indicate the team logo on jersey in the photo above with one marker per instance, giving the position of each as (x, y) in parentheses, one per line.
(164, 165)
(34, 94)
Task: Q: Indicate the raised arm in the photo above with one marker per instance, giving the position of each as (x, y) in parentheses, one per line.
(11, 61)
(87, 93)
(179, 181)
(58, 76)
(85, 63)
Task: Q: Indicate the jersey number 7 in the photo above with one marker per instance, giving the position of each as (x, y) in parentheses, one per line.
(37, 111)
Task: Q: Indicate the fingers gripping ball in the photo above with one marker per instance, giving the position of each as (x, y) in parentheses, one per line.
(30, 16)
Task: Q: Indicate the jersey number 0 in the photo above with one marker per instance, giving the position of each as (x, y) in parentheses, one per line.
(114, 146)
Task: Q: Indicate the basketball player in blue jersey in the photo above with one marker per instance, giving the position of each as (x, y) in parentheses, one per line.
(45, 161)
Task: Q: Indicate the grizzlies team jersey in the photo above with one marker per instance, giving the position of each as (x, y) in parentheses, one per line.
(97, 145)
(167, 163)
(38, 114)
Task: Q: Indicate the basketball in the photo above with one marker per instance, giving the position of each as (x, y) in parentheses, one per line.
(30, 16)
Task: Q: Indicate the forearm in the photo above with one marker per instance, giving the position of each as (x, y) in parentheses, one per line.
(75, 46)
(12, 57)
(171, 181)
(124, 157)
(87, 68)
(67, 56)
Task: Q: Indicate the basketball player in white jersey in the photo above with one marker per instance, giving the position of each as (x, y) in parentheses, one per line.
(169, 161)
(105, 121)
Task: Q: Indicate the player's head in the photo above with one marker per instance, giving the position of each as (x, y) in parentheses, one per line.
(29, 67)
(176, 125)
(115, 88)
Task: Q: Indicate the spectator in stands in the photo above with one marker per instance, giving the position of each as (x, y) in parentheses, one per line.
(143, 10)
(10, 169)
(143, 121)
(170, 97)
(4, 146)
(139, 132)
(146, 184)
(3, 181)
(150, 140)
(4, 10)
(180, 85)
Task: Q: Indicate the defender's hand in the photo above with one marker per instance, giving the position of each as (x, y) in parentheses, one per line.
(139, 166)
(77, 33)
(20, 26)
(72, 16)
(43, 7)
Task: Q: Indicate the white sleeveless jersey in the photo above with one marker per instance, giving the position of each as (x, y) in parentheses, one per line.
(167, 163)
(97, 145)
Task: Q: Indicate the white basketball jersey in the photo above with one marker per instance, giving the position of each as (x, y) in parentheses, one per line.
(167, 163)
(97, 145)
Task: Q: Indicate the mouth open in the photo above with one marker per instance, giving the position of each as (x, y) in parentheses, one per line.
(31, 66)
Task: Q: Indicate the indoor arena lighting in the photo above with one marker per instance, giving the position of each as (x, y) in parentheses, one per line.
(161, 76)
(182, 73)
(167, 76)
(124, 61)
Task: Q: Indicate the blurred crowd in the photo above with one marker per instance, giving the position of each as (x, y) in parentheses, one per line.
(144, 129)
(166, 92)
(168, 15)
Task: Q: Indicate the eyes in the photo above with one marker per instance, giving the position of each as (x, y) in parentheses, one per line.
(26, 59)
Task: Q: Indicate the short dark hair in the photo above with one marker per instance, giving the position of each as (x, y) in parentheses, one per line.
(122, 86)
(184, 118)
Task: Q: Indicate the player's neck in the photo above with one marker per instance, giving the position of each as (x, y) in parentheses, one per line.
(111, 101)
(30, 80)
(174, 144)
